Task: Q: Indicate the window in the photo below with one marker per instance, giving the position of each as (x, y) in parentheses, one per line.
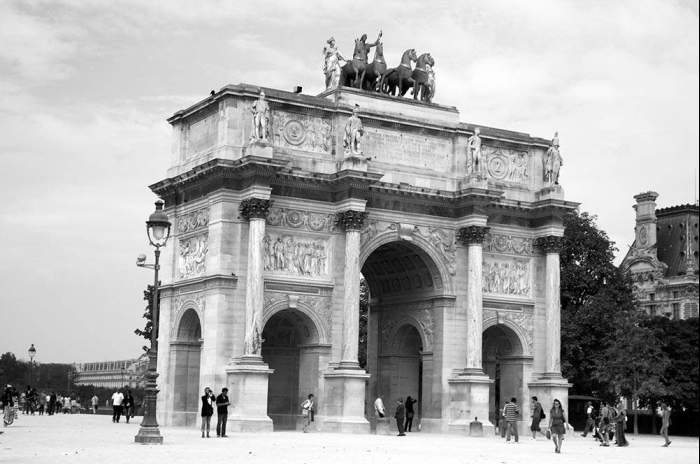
(652, 310)
(652, 296)
(676, 311)
(675, 294)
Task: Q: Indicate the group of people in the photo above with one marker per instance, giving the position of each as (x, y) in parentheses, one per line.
(608, 424)
(33, 402)
(403, 414)
(555, 429)
(221, 402)
(122, 404)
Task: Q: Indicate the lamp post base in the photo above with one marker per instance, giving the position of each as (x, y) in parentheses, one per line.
(149, 436)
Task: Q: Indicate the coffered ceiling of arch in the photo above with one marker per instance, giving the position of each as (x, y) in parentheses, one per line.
(396, 268)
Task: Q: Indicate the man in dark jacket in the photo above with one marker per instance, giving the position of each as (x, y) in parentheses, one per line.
(400, 416)
(222, 404)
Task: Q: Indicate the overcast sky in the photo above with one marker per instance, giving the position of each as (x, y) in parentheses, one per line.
(85, 88)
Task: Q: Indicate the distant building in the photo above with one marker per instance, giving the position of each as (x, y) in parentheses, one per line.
(112, 374)
(663, 260)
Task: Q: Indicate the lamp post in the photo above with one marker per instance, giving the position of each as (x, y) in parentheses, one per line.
(32, 352)
(158, 231)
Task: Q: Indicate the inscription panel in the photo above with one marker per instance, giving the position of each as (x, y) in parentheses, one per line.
(418, 151)
(202, 135)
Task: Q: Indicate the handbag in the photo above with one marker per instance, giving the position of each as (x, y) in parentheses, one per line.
(548, 434)
(542, 415)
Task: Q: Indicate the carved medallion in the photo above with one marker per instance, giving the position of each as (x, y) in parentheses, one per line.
(498, 166)
(294, 132)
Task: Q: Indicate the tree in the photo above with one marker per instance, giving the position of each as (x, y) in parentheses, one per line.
(679, 341)
(148, 315)
(594, 293)
(633, 362)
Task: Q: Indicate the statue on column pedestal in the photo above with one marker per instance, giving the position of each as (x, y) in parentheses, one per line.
(474, 159)
(352, 141)
(552, 162)
(261, 119)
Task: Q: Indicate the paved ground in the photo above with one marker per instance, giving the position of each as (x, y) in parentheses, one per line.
(95, 440)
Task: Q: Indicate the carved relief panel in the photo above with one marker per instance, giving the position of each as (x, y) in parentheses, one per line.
(506, 165)
(192, 256)
(302, 132)
(292, 255)
(299, 219)
(193, 220)
(510, 277)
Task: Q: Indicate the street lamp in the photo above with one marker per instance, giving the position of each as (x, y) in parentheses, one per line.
(158, 231)
(32, 352)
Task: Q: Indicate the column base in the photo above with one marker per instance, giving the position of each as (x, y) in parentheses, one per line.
(469, 401)
(550, 386)
(248, 382)
(344, 408)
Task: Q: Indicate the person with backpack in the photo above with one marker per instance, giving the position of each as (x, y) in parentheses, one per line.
(307, 410)
(604, 424)
(590, 423)
(537, 416)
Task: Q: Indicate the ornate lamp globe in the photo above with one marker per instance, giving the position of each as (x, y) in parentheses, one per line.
(158, 226)
(32, 352)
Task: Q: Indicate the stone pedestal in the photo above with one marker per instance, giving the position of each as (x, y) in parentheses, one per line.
(551, 192)
(386, 426)
(259, 148)
(247, 381)
(469, 398)
(354, 163)
(344, 407)
(475, 180)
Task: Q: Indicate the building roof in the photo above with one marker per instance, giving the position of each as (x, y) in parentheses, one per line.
(677, 238)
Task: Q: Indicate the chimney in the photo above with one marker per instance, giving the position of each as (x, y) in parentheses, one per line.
(645, 228)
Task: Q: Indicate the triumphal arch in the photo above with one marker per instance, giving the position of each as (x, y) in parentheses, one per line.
(282, 202)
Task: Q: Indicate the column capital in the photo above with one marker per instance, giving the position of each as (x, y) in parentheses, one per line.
(472, 235)
(254, 208)
(351, 219)
(550, 243)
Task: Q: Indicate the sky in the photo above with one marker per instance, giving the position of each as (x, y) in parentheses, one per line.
(86, 87)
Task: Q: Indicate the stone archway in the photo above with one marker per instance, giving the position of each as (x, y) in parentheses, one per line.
(404, 283)
(290, 342)
(503, 362)
(185, 354)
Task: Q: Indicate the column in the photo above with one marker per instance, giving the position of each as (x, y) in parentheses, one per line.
(352, 222)
(469, 391)
(247, 376)
(344, 406)
(551, 245)
(255, 211)
(473, 237)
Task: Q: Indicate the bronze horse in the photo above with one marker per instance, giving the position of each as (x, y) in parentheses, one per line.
(399, 78)
(421, 78)
(375, 70)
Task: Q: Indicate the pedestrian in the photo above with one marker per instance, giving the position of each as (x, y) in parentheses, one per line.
(307, 410)
(557, 425)
(208, 401)
(42, 403)
(117, 400)
(400, 416)
(66, 405)
(590, 422)
(537, 416)
(379, 406)
(95, 401)
(409, 413)
(511, 412)
(665, 423)
(8, 405)
(128, 405)
(621, 424)
(222, 404)
(604, 424)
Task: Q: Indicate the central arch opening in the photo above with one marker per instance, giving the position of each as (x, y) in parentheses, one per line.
(402, 282)
(289, 339)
